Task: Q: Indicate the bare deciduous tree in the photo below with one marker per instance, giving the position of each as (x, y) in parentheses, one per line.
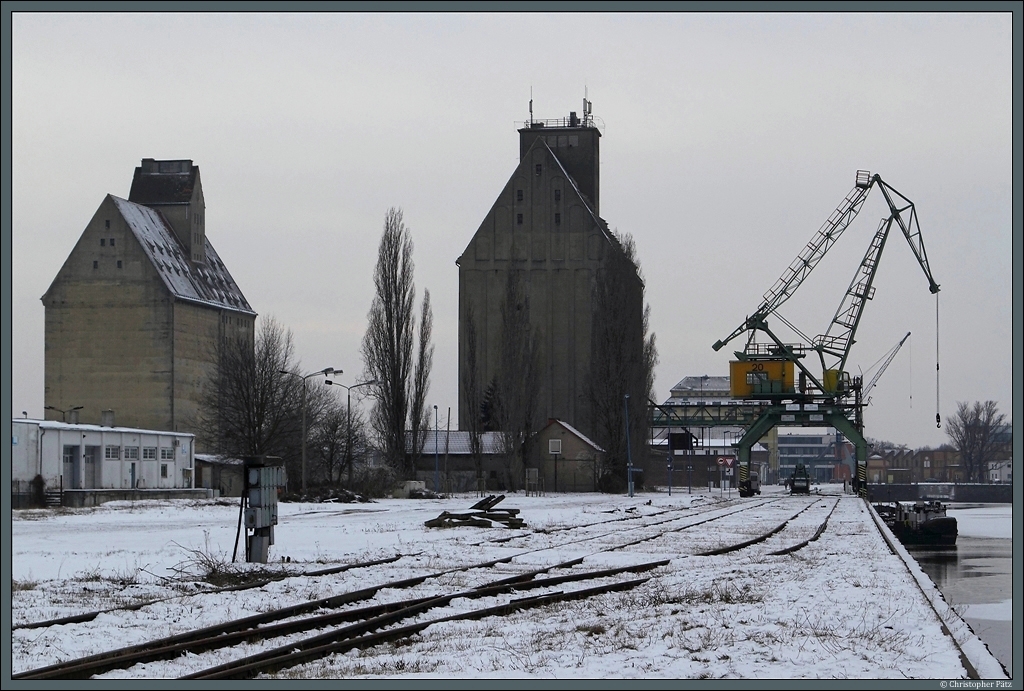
(249, 408)
(518, 379)
(388, 345)
(973, 431)
(472, 394)
(418, 417)
(338, 442)
(622, 360)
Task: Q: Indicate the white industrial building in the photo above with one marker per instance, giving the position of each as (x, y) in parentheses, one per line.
(72, 457)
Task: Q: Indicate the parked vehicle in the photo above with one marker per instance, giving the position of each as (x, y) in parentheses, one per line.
(750, 486)
(800, 480)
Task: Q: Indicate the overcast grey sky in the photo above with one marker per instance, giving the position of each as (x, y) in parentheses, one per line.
(727, 140)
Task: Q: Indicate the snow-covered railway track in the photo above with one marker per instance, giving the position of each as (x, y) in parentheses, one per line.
(90, 616)
(288, 656)
(757, 539)
(367, 621)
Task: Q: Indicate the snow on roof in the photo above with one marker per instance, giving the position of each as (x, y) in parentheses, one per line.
(575, 431)
(219, 459)
(728, 446)
(695, 385)
(53, 424)
(454, 442)
(208, 284)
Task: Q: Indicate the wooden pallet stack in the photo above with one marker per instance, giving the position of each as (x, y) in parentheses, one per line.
(480, 515)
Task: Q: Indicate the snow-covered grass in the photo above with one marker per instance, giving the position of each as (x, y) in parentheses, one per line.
(843, 606)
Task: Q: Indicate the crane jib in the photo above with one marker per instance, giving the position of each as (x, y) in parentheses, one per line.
(833, 347)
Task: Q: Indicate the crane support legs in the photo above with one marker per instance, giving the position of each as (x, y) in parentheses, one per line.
(786, 416)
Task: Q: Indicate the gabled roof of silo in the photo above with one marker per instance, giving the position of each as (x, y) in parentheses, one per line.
(209, 284)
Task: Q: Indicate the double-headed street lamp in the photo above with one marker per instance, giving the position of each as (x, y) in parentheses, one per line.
(324, 372)
(63, 412)
(437, 478)
(348, 445)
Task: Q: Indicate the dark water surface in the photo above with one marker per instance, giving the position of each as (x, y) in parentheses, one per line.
(978, 572)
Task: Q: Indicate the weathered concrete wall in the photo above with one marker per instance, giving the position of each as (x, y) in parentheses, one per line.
(108, 330)
(541, 226)
(116, 339)
(197, 332)
(82, 498)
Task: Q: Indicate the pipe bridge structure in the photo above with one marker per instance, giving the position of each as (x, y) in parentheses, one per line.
(758, 417)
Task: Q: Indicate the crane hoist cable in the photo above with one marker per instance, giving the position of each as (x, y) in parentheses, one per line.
(938, 418)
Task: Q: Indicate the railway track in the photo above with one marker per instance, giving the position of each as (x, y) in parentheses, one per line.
(368, 619)
(363, 625)
(90, 616)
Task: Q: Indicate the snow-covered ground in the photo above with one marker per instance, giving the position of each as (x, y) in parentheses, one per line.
(842, 607)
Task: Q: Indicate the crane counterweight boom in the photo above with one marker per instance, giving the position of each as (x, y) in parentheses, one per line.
(832, 347)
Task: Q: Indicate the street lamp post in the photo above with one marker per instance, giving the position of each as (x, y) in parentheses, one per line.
(629, 452)
(437, 485)
(348, 444)
(325, 372)
(62, 412)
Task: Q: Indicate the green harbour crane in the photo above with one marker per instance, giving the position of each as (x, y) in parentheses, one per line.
(774, 373)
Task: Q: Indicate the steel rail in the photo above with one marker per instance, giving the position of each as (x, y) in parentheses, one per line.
(246, 628)
(754, 540)
(89, 616)
(804, 543)
(371, 618)
(230, 633)
(888, 538)
(287, 656)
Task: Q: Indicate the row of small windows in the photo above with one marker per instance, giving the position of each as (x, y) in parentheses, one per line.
(558, 195)
(103, 241)
(96, 264)
(558, 219)
(131, 453)
(802, 450)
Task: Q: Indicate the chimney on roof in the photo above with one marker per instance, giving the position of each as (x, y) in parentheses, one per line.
(575, 142)
(107, 418)
(173, 188)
